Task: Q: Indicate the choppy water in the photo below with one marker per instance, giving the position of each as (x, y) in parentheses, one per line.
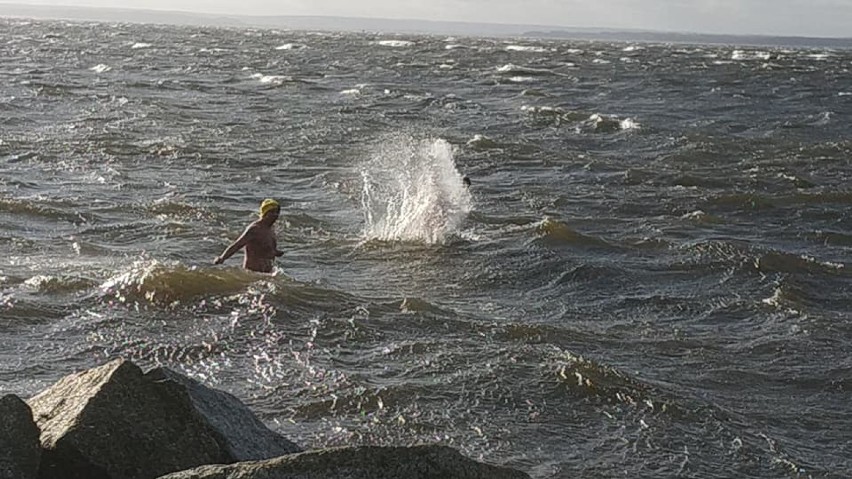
(649, 277)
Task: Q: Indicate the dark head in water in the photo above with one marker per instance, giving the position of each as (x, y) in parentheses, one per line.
(466, 182)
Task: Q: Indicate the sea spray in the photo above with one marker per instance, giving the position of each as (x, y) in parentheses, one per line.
(412, 191)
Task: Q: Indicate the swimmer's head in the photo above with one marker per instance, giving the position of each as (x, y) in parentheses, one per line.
(268, 207)
(466, 182)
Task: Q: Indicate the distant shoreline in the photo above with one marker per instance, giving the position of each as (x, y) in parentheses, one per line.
(390, 26)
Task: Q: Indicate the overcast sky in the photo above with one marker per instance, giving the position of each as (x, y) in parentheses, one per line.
(823, 18)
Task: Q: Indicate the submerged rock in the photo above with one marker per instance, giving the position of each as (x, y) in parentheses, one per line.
(240, 434)
(417, 462)
(111, 422)
(20, 451)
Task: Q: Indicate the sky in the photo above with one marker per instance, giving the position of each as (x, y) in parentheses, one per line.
(820, 18)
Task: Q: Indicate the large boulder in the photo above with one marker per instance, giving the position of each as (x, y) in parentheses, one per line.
(240, 434)
(417, 462)
(20, 451)
(111, 422)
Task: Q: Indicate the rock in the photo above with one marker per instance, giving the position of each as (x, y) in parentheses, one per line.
(240, 434)
(111, 422)
(417, 462)
(20, 451)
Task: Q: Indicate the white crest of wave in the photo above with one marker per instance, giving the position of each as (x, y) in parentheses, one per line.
(525, 48)
(395, 43)
(290, 46)
(412, 191)
(100, 68)
(743, 55)
(274, 79)
(138, 45)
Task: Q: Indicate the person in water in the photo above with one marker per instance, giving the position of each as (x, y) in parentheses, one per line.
(466, 182)
(259, 241)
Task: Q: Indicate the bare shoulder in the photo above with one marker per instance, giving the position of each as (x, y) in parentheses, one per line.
(252, 229)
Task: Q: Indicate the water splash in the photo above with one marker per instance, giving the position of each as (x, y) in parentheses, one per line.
(412, 191)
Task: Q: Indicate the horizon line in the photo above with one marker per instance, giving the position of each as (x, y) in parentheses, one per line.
(551, 29)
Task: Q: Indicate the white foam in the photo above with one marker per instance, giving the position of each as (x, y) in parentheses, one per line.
(632, 48)
(412, 191)
(742, 55)
(819, 56)
(137, 46)
(446, 66)
(395, 43)
(629, 124)
(290, 46)
(525, 48)
(101, 68)
(453, 46)
(274, 79)
(351, 92)
(546, 110)
(521, 79)
(844, 93)
(601, 61)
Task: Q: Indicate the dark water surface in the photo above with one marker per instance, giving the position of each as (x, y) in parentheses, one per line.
(649, 277)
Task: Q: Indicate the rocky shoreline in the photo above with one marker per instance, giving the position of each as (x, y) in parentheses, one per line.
(117, 422)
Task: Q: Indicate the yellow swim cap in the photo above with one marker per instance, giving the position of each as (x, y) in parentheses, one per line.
(268, 205)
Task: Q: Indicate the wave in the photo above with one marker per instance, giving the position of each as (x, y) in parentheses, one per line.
(526, 48)
(39, 208)
(140, 45)
(291, 46)
(744, 55)
(556, 232)
(757, 201)
(395, 43)
(272, 79)
(781, 262)
(173, 283)
(412, 191)
(59, 284)
(516, 70)
(101, 68)
(482, 142)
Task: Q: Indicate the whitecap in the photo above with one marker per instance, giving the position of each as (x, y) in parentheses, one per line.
(481, 142)
(101, 68)
(446, 66)
(742, 55)
(395, 43)
(547, 110)
(351, 92)
(819, 56)
(844, 93)
(276, 79)
(290, 46)
(521, 79)
(631, 48)
(601, 61)
(629, 124)
(453, 46)
(525, 48)
(137, 46)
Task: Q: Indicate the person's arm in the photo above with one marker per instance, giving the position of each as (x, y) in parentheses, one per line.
(236, 245)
